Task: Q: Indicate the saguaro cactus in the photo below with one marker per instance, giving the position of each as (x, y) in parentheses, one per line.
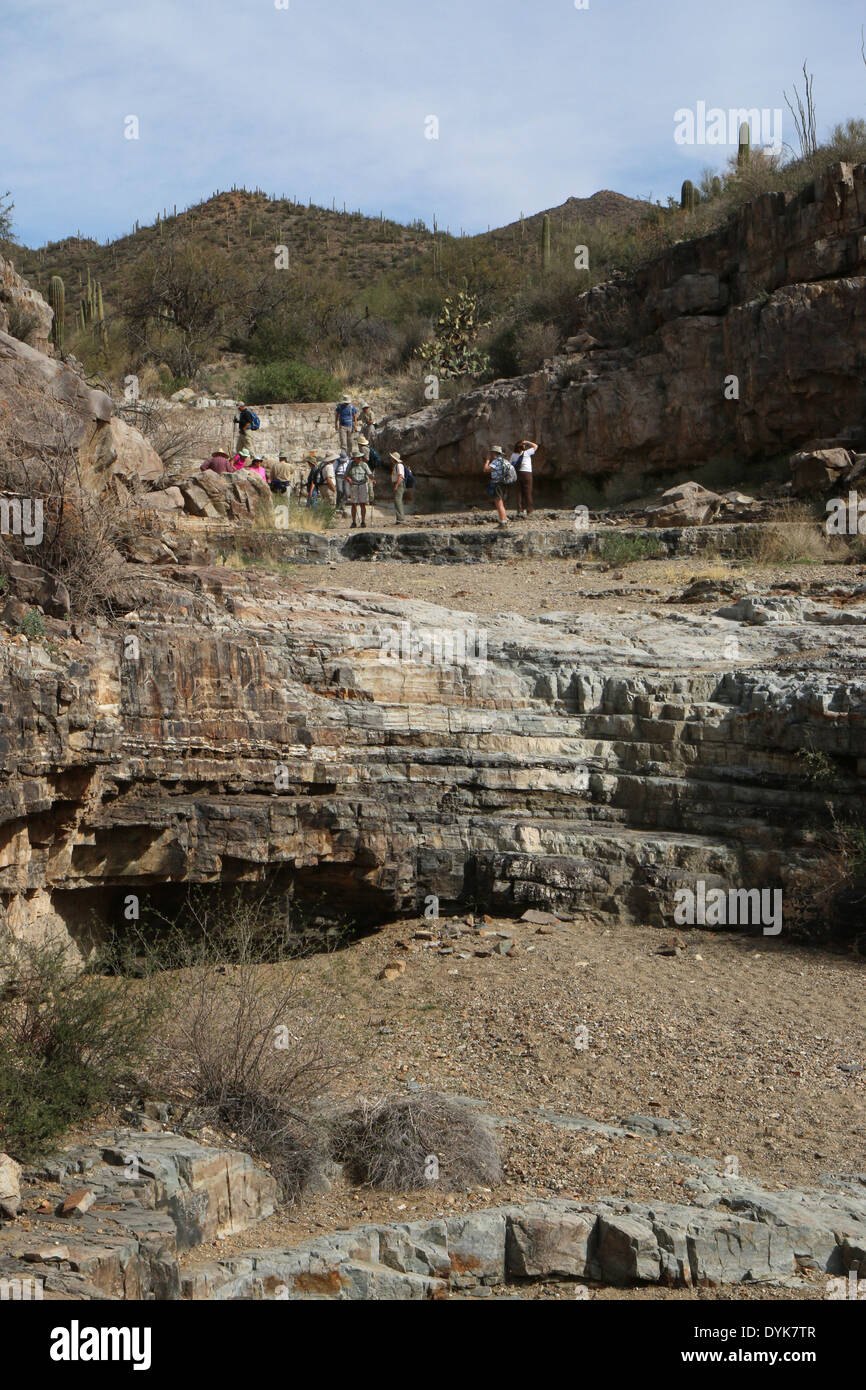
(717, 187)
(545, 242)
(744, 153)
(687, 197)
(57, 300)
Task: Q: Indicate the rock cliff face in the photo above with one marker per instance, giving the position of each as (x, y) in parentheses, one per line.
(764, 299)
(381, 750)
(23, 310)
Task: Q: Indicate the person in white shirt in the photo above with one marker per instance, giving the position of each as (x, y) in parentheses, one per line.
(328, 485)
(341, 468)
(522, 460)
(398, 483)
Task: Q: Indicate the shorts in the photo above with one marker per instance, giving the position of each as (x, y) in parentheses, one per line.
(357, 493)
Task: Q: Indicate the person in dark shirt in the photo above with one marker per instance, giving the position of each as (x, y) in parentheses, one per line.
(217, 463)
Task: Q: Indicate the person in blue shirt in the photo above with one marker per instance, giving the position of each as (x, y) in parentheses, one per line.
(345, 416)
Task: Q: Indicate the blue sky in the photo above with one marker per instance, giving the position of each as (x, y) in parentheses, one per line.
(328, 99)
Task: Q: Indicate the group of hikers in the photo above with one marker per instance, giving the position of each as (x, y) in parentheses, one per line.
(345, 478)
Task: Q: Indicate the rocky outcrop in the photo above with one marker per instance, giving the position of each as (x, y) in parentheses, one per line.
(736, 1233)
(708, 351)
(381, 750)
(113, 1218)
(130, 1203)
(23, 310)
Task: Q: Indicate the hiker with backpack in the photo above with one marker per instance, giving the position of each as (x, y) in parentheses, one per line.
(282, 475)
(402, 481)
(326, 480)
(345, 415)
(312, 485)
(522, 461)
(358, 479)
(247, 421)
(341, 468)
(501, 475)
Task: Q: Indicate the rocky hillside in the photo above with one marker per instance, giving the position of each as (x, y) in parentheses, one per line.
(744, 344)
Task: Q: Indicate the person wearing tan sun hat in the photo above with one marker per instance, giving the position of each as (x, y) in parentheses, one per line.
(398, 483)
(366, 423)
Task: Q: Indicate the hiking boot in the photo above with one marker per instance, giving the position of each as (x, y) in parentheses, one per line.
(353, 525)
(363, 525)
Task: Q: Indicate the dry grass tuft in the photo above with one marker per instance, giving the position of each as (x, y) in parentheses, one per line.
(415, 1141)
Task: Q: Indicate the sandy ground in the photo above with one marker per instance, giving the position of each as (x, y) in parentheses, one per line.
(753, 1045)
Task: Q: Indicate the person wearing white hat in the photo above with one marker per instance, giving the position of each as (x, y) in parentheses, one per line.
(398, 483)
(345, 415)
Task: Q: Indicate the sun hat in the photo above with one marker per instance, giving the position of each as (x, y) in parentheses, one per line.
(245, 454)
(362, 440)
(396, 458)
(497, 449)
(346, 400)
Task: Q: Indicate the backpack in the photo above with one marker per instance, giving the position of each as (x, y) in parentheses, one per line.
(319, 475)
(408, 477)
(375, 459)
(509, 472)
(253, 421)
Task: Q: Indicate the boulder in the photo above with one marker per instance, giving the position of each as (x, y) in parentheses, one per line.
(147, 550)
(10, 1186)
(688, 504)
(41, 396)
(168, 499)
(116, 452)
(198, 501)
(38, 589)
(816, 470)
(544, 1242)
(248, 496)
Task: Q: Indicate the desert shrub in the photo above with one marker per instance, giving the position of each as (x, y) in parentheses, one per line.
(828, 907)
(623, 550)
(536, 343)
(276, 382)
(32, 624)
(414, 1141)
(67, 1039)
(23, 321)
(797, 538)
(80, 530)
(247, 1042)
(171, 433)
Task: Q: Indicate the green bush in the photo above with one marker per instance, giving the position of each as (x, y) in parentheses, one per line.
(66, 1040)
(33, 624)
(274, 383)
